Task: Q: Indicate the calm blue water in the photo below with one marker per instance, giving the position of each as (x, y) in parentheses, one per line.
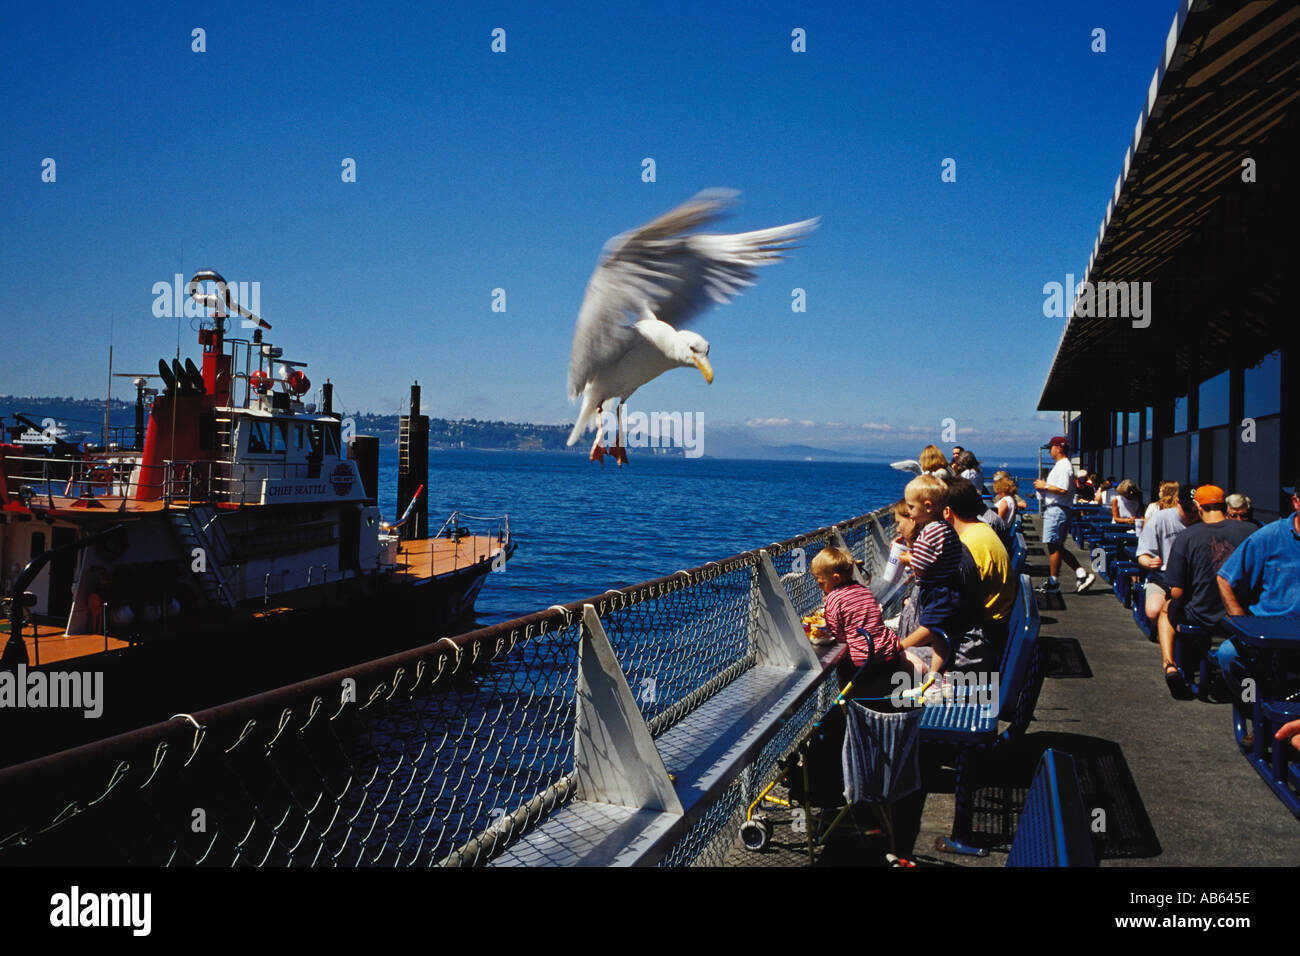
(581, 529)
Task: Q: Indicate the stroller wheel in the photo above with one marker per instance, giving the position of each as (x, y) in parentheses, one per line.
(755, 833)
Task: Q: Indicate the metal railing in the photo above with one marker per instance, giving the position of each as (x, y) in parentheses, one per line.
(440, 755)
(112, 481)
(495, 527)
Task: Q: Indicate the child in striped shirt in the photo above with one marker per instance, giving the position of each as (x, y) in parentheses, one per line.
(935, 560)
(853, 617)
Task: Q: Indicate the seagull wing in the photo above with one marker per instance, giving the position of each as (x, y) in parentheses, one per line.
(659, 270)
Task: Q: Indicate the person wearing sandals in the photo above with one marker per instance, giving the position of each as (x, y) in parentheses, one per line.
(1192, 576)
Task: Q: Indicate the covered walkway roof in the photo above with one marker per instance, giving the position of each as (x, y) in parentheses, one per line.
(1215, 235)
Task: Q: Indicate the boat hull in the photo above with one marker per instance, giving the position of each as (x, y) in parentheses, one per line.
(243, 654)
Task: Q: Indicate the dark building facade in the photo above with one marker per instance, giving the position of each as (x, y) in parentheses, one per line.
(1179, 359)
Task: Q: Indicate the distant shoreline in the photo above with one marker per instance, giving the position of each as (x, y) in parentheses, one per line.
(456, 435)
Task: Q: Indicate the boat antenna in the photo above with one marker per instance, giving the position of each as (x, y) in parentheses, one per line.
(108, 403)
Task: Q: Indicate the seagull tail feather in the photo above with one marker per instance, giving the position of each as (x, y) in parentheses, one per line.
(587, 411)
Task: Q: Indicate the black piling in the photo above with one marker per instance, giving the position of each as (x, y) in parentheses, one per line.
(364, 450)
(413, 468)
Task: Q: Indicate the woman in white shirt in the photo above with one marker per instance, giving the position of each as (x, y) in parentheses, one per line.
(1004, 494)
(1124, 504)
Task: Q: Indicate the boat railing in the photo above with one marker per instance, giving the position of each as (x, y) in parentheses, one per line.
(111, 481)
(459, 752)
(460, 525)
(40, 479)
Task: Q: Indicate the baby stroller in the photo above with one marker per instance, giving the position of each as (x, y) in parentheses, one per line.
(879, 764)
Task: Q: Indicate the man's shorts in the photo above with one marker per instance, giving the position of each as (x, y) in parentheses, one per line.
(1056, 523)
(1157, 579)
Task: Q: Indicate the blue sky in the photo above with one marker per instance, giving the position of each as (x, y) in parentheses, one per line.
(479, 170)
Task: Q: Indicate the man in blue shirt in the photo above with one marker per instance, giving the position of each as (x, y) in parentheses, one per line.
(1262, 577)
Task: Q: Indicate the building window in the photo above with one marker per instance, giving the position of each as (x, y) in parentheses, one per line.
(1213, 402)
(1180, 414)
(1264, 386)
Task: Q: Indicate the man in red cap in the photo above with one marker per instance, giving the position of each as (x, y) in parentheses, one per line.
(1191, 575)
(1057, 493)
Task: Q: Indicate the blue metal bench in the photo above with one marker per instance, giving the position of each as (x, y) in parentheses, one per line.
(1262, 640)
(1053, 828)
(1140, 610)
(1192, 655)
(970, 723)
(1019, 551)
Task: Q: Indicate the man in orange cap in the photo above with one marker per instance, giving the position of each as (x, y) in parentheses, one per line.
(1190, 575)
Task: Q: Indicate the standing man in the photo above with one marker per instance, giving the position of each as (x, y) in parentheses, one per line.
(1192, 575)
(1058, 494)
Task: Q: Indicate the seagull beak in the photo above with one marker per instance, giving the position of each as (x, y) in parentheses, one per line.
(705, 368)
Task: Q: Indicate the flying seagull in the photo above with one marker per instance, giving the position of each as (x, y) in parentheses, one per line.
(649, 282)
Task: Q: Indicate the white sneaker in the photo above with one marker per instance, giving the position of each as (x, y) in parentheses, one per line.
(1085, 582)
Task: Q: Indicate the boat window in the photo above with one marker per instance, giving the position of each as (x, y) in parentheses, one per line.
(315, 436)
(259, 439)
(332, 439)
(279, 437)
(298, 438)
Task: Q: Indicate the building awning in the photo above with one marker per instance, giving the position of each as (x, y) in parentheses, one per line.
(1206, 210)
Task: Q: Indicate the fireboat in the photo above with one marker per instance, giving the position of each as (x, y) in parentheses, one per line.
(244, 529)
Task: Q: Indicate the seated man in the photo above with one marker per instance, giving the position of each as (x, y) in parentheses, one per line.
(1191, 575)
(992, 590)
(1261, 577)
(1239, 509)
(1154, 546)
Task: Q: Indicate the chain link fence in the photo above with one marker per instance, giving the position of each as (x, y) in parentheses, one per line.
(441, 755)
